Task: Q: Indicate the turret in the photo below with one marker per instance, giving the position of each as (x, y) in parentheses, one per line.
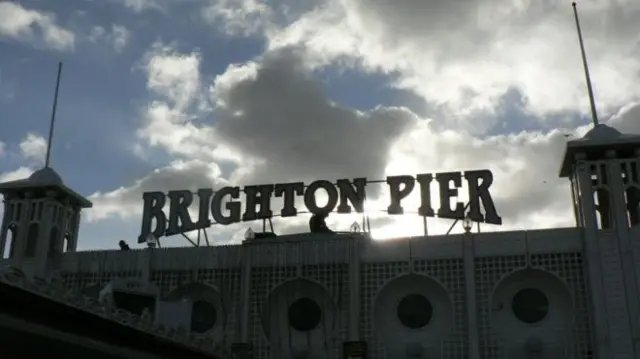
(41, 220)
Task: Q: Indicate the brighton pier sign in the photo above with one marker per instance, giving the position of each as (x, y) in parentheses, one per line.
(345, 196)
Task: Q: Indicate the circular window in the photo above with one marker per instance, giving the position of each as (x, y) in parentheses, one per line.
(530, 305)
(304, 314)
(415, 311)
(203, 316)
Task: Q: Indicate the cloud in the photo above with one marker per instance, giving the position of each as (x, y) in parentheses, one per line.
(462, 57)
(142, 5)
(173, 75)
(627, 120)
(237, 17)
(39, 28)
(178, 175)
(20, 173)
(34, 147)
(280, 117)
(174, 80)
(118, 37)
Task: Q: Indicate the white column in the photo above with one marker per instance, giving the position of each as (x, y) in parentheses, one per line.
(145, 263)
(354, 290)
(23, 224)
(75, 228)
(245, 293)
(44, 233)
(468, 250)
(591, 252)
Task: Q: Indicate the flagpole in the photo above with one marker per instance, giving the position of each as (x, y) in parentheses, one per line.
(53, 116)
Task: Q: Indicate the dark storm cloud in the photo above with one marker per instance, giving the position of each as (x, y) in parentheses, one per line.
(282, 117)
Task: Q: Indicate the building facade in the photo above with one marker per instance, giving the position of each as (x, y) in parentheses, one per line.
(556, 293)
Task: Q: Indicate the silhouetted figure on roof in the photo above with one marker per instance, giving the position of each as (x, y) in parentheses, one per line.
(317, 223)
(123, 246)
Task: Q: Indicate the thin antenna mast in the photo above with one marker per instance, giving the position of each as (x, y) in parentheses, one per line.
(592, 101)
(53, 115)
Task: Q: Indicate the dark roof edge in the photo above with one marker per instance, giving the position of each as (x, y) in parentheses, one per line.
(43, 304)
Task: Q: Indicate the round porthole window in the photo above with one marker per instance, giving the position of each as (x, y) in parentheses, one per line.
(304, 314)
(530, 305)
(415, 311)
(203, 316)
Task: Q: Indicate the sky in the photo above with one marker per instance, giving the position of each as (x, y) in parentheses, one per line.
(160, 95)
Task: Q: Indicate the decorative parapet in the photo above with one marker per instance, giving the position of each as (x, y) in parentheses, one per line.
(53, 288)
(139, 260)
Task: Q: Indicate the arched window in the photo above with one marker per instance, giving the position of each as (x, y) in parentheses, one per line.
(66, 245)
(633, 205)
(32, 240)
(602, 196)
(54, 238)
(10, 243)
